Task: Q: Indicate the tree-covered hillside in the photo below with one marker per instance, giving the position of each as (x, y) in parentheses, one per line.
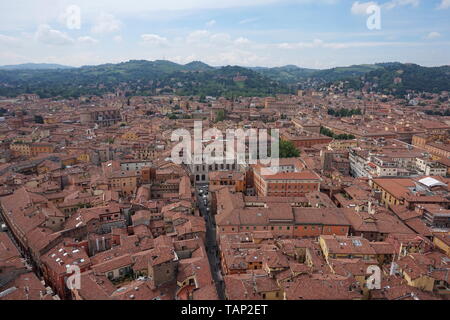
(139, 78)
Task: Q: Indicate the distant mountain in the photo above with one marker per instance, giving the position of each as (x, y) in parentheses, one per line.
(400, 79)
(34, 66)
(288, 74)
(198, 66)
(391, 77)
(140, 77)
(293, 75)
(341, 73)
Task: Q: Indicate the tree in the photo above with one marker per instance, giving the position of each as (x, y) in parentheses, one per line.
(38, 119)
(110, 140)
(288, 150)
(343, 136)
(220, 115)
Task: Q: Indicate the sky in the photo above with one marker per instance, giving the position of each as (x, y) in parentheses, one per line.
(308, 33)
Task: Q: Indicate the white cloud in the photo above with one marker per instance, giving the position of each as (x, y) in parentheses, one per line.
(154, 39)
(206, 39)
(8, 40)
(106, 23)
(360, 8)
(301, 45)
(445, 4)
(139, 6)
(118, 39)
(87, 40)
(433, 35)
(249, 20)
(27, 13)
(241, 41)
(318, 43)
(12, 58)
(47, 35)
(220, 38)
(198, 36)
(211, 23)
(237, 57)
(399, 3)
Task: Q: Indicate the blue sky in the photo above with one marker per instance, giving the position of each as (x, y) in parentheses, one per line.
(307, 33)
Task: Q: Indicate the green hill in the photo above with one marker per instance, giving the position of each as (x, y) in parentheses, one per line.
(139, 77)
(400, 79)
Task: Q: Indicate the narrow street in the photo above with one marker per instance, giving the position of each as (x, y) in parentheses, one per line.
(211, 245)
(26, 258)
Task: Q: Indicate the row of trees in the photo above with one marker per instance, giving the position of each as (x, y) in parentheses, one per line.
(329, 133)
(343, 112)
(445, 113)
(288, 150)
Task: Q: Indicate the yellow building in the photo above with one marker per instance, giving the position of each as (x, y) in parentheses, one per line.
(83, 157)
(124, 182)
(49, 120)
(40, 148)
(130, 136)
(342, 144)
(393, 191)
(20, 149)
(442, 241)
(343, 247)
(228, 178)
(422, 282)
